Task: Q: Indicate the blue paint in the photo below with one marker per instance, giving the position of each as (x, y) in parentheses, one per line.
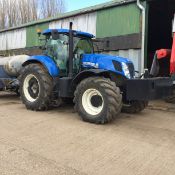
(89, 61)
(47, 62)
(2, 85)
(66, 31)
(101, 61)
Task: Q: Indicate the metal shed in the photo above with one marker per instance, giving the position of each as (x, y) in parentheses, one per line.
(122, 24)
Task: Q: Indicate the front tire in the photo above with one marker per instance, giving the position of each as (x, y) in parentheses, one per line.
(97, 100)
(35, 87)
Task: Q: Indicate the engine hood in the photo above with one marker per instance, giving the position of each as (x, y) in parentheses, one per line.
(103, 57)
(110, 63)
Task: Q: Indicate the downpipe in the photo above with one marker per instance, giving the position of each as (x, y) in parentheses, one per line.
(142, 8)
(70, 74)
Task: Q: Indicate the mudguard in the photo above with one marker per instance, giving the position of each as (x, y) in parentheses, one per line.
(88, 73)
(46, 61)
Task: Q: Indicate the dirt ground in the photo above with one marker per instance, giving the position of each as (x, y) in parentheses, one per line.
(57, 142)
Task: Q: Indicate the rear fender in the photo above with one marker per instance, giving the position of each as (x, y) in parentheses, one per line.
(46, 61)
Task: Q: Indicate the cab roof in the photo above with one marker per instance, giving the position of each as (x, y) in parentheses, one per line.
(66, 31)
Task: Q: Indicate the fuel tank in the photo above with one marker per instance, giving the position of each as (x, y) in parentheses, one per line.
(11, 66)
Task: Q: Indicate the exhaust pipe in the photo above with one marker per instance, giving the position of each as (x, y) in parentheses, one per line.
(71, 47)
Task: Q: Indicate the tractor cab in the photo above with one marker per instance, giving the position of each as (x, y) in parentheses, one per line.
(57, 47)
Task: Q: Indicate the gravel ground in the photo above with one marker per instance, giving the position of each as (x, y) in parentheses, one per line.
(57, 142)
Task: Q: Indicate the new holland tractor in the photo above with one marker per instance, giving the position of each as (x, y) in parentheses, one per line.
(101, 86)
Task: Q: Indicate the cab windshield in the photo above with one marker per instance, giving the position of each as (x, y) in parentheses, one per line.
(59, 50)
(60, 47)
(82, 46)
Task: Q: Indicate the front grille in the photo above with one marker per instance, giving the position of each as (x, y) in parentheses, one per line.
(131, 69)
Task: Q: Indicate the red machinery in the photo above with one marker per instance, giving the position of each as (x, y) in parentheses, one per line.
(165, 53)
(172, 61)
(160, 57)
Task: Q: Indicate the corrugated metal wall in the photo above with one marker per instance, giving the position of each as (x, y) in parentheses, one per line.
(115, 21)
(27, 37)
(85, 23)
(118, 21)
(31, 33)
(13, 39)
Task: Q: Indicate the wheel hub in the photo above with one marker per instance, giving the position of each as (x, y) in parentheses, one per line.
(31, 88)
(92, 101)
(96, 101)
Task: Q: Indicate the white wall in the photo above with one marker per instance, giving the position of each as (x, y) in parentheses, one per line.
(85, 23)
(133, 54)
(14, 39)
(3, 41)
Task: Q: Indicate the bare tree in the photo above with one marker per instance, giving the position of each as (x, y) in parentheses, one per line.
(51, 8)
(3, 16)
(17, 12)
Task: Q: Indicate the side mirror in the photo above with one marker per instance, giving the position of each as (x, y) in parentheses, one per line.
(55, 34)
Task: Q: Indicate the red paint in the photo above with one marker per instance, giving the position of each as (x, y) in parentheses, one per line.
(163, 53)
(172, 61)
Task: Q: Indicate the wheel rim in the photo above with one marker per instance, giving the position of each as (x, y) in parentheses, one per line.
(31, 88)
(92, 101)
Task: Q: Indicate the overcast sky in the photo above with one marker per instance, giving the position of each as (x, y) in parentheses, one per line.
(78, 4)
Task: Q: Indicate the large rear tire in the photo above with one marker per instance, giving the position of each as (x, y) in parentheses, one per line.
(98, 100)
(35, 87)
(134, 107)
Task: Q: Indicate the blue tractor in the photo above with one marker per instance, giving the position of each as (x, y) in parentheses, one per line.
(101, 86)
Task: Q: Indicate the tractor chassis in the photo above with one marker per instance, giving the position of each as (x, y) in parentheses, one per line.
(148, 89)
(134, 89)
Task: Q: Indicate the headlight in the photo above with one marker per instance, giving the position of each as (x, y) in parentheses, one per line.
(126, 70)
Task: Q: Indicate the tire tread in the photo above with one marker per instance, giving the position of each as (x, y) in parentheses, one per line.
(44, 102)
(112, 94)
